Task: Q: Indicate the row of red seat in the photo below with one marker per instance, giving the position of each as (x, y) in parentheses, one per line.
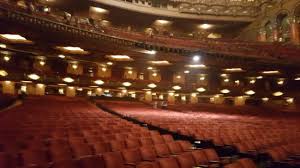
(64, 132)
(249, 134)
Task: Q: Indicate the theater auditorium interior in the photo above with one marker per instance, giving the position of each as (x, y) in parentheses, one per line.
(149, 83)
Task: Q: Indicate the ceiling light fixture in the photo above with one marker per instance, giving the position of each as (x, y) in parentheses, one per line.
(297, 79)
(249, 92)
(164, 62)
(119, 57)
(3, 73)
(278, 93)
(265, 99)
(176, 87)
(233, 69)
(42, 62)
(109, 63)
(99, 82)
(61, 56)
(252, 81)
(3, 46)
(196, 58)
(72, 50)
(34, 76)
(74, 66)
(6, 58)
(14, 38)
(201, 89)
(271, 72)
(196, 66)
(99, 10)
(152, 85)
(127, 84)
(205, 26)
(154, 74)
(186, 71)
(225, 91)
(150, 52)
(68, 79)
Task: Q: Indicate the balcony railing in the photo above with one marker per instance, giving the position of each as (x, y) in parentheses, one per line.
(140, 40)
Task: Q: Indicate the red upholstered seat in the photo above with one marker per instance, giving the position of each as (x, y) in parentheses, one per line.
(247, 163)
(148, 153)
(186, 160)
(91, 162)
(162, 150)
(175, 148)
(168, 163)
(101, 147)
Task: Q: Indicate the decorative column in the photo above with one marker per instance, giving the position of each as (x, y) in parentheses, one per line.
(71, 91)
(239, 101)
(8, 87)
(275, 32)
(148, 96)
(295, 35)
(171, 98)
(194, 98)
(40, 89)
(262, 35)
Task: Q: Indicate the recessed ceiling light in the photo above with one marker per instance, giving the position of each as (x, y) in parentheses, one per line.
(62, 84)
(15, 38)
(252, 81)
(42, 62)
(205, 26)
(152, 85)
(265, 99)
(3, 73)
(225, 91)
(271, 72)
(150, 68)
(259, 77)
(164, 62)
(119, 57)
(68, 79)
(151, 52)
(176, 87)
(196, 58)
(297, 79)
(202, 78)
(280, 82)
(278, 93)
(154, 74)
(195, 66)
(109, 63)
(99, 82)
(290, 100)
(201, 89)
(127, 84)
(162, 22)
(186, 71)
(25, 81)
(72, 50)
(34, 76)
(74, 66)
(6, 58)
(233, 69)
(249, 92)
(99, 10)
(3, 46)
(226, 80)
(61, 56)
(224, 75)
